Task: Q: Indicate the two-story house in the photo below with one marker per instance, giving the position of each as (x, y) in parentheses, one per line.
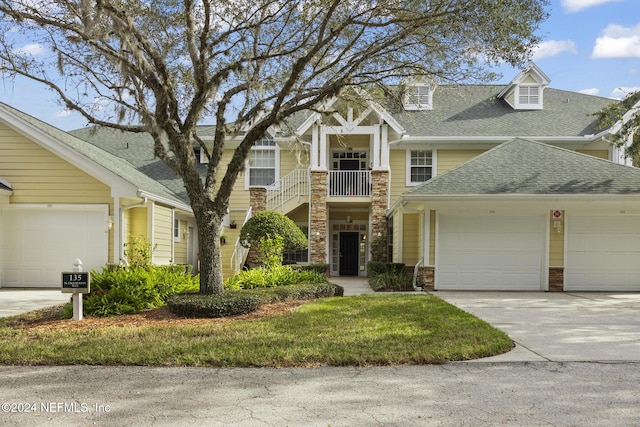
(472, 186)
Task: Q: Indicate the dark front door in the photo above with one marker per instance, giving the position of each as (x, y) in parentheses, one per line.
(349, 253)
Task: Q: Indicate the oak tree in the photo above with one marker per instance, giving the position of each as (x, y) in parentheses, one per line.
(162, 67)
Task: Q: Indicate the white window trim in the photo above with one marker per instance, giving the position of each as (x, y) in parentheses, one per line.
(529, 106)
(412, 106)
(247, 169)
(434, 163)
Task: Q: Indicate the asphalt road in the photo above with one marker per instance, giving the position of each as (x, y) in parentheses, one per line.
(455, 394)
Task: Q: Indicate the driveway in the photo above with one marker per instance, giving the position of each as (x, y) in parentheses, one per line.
(559, 327)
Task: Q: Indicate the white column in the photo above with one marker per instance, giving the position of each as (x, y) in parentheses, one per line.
(384, 148)
(323, 148)
(117, 230)
(376, 147)
(314, 147)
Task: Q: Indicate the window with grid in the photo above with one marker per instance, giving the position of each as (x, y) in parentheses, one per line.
(262, 163)
(417, 97)
(421, 166)
(529, 95)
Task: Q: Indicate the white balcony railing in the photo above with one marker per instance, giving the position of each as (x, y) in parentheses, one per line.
(294, 185)
(349, 183)
(240, 252)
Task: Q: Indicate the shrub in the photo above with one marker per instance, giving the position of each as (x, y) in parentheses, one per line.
(138, 252)
(375, 267)
(391, 281)
(233, 303)
(300, 291)
(272, 276)
(264, 226)
(318, 268)
(131, 290)
(208, 305)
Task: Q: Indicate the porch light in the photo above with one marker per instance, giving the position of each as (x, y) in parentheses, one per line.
(110, 222)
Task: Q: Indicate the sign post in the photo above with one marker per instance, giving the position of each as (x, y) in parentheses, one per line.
(76, 282)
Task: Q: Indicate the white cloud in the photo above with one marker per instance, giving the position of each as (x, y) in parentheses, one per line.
(622, 92)
(553, 48)
(30, 49)
(63, 113)
(590, 91)
(618, 42)
(572, 6)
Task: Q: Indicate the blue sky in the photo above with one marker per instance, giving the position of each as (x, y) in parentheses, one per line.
(590, 46)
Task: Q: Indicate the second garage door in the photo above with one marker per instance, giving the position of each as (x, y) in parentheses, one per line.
(603, 253)
(490, 253)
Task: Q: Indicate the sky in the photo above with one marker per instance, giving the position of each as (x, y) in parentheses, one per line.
(589, 46)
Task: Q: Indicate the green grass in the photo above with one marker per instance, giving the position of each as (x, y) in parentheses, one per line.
(363, 330)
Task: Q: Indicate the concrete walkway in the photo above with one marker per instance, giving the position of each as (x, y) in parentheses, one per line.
(16, 301)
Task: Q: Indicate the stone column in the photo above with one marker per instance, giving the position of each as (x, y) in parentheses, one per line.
(379, 186)
(258, 199)
(318, 218)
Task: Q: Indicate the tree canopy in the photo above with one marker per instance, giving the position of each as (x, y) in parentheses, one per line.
(162, 67)
(624, 117)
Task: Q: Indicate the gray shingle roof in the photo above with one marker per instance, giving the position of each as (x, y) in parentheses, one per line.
(527, 167)
(474, 110)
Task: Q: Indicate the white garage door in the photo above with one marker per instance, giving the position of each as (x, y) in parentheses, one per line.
(39, 244)
(603, 253)
(490, 253)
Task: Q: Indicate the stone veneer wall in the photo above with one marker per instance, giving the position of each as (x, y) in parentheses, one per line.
(258, 199)
(426, 278)
(379, 200)
(258, 203)
(318, 225)
(556, 279)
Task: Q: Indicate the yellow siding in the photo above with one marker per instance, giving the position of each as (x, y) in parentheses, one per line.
(162, 234)
(411, 239)
(38, 176)
(529, 79)
(342, 216)
(601, 154)
(180, 248)
(448, 159)
(398, 174)
(556, 243)
(137, 222)
(445, 160)
(346, 141)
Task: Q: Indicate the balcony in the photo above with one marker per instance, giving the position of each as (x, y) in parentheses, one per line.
(348, 183)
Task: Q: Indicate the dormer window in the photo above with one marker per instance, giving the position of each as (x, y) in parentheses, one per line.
(418, 97)
(526, 91)
(529, 96)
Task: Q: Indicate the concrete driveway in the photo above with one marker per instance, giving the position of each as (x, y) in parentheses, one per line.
(559, 327)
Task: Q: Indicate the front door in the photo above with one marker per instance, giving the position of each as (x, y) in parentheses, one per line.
(349, 253)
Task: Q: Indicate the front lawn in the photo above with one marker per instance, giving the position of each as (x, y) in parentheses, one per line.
(360, 330)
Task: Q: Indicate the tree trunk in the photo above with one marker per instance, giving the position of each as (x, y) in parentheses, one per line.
(211, 281)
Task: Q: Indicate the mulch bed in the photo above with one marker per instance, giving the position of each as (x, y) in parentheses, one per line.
(49, 318)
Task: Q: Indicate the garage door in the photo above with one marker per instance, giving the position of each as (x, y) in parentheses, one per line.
(490, 253)
(38, 244)
(603, 253)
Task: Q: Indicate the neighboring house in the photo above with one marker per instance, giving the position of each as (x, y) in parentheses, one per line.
(478, 187)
